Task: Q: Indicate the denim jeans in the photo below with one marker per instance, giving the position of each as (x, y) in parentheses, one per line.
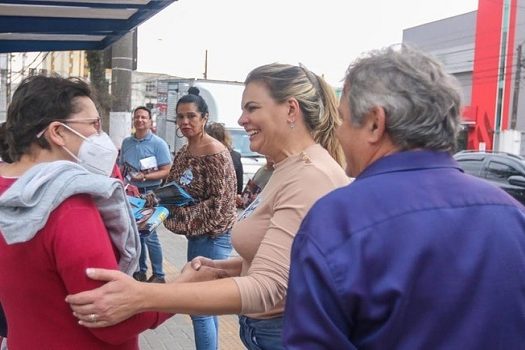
(152, 244)
(259, 334)
(206, 328)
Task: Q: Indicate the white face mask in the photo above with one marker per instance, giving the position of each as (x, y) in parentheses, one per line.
(97, 153)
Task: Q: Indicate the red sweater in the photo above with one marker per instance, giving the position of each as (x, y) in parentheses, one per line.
(36, 276)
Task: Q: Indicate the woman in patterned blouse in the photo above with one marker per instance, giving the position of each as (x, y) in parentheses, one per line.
(205, 170)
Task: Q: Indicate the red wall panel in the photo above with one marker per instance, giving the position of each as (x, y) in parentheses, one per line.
(489, 65)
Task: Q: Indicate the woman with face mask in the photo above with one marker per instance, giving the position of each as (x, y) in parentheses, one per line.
(60, 212)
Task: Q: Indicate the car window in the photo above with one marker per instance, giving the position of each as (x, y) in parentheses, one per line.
(500, 172)
(471, 166)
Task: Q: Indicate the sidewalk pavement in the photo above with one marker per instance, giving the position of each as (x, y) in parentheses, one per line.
(177, 332)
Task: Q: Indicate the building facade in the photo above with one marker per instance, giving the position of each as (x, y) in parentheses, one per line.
(482, 49)
(14, 67)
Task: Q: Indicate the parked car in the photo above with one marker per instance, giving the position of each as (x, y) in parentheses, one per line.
(504, 170)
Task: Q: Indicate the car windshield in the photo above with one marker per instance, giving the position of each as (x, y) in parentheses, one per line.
(241, 143)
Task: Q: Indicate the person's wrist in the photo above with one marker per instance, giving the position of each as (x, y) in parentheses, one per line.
(143, 300)
(144, 178)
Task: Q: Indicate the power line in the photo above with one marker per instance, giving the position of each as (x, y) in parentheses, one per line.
(20, 73)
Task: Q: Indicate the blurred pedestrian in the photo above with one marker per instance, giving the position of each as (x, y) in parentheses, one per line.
(256, 184)
(219, 132)
(414, 254)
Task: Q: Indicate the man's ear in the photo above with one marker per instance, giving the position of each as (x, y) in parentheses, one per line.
(376, 124)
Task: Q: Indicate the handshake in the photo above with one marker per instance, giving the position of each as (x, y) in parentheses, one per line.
(202, 269)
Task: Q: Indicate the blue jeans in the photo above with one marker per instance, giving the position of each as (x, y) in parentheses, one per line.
(206, 328)
(152, 243)
(259, 334)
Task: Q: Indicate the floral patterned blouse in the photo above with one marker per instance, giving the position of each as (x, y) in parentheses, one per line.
(210, 179)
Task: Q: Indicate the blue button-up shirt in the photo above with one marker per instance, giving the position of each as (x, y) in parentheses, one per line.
(134, 149)
(414, 254)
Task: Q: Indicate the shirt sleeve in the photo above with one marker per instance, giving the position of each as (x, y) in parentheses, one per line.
(81, 241)
(163, 153)
(265, 285)
(116, 173)
(314, 318)
(121, 154)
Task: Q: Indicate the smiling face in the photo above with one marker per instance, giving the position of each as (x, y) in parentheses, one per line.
(141, 120)
(264, 120)
(190, 121)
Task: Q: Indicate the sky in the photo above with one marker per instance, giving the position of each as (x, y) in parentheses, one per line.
(325, 36)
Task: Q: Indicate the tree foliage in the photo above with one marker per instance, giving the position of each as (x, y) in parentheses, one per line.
(97, 71)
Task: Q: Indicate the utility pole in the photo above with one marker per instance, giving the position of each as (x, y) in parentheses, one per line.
(515, 97)
(9, 77)
(121, 70)
(3, 86)
(206, 64)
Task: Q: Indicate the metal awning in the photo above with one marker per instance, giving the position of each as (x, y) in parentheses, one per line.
(41, 25)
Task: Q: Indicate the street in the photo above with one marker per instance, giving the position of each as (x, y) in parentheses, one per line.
(177, 332)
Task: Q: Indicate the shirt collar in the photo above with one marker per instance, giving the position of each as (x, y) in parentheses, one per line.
(410, 160)
(148, 136)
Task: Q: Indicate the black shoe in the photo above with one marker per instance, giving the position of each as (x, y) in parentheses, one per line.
(140, 276)
(156, 279)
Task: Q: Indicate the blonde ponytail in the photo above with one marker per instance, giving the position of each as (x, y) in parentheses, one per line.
(329, 120)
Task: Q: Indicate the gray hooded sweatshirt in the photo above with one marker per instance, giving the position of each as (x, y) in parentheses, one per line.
(26, 205)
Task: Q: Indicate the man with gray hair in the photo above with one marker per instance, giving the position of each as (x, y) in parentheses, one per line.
(414, 254)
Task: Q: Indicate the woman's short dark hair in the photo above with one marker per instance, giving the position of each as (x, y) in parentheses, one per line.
(37, 102)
